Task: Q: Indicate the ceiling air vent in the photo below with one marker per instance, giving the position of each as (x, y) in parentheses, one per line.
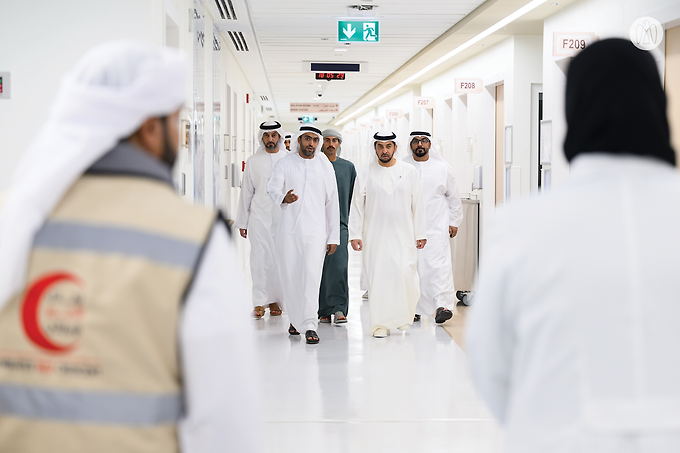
(222, 9)
(239, 41)
(216, 44)
(269, 109)
(263, 97)
(233, 11)
(226, 9)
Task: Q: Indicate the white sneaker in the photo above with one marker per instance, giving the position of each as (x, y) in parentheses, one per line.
(380, 332)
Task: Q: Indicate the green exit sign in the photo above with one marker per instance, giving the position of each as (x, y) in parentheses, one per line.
(358, 31)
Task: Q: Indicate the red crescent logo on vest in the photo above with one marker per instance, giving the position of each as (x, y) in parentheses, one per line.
(53, 310)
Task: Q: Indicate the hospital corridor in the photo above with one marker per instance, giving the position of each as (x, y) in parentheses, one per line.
(372, 226)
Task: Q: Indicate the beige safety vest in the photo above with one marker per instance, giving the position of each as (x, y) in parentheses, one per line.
(89, 357)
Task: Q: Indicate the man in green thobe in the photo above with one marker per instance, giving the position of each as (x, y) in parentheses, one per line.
(334, 291)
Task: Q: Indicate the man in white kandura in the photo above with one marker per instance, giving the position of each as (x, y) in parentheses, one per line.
(444, 214)
(257, 219)
(303, 185)
(122, 325)
(389, 214)
(286, 141)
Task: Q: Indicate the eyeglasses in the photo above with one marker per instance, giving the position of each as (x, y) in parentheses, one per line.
(424, 141)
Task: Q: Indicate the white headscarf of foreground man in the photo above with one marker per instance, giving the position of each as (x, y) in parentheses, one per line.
(105, 98)
(152, 279)
(573, 339)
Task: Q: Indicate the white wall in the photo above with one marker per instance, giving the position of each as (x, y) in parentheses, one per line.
(40, 42)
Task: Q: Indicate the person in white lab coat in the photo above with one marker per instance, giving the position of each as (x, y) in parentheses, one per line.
(573, 339)
(155, 278)
(303, 186)
(257, 218)
(444, 214)
(387, 221)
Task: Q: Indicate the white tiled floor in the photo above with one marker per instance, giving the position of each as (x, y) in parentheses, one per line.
(409, 392)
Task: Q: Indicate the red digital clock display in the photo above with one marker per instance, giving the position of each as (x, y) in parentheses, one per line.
(330, 76)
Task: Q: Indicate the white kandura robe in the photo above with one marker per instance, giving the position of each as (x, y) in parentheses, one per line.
(260, 217)
(305, 228)
(443, 209)
(388, 215)
(573, 338)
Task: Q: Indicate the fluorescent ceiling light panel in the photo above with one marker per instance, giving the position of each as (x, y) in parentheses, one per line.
(489, 31)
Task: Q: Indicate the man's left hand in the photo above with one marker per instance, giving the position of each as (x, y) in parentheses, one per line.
(331, 248)
(420, 243)
(453, 231)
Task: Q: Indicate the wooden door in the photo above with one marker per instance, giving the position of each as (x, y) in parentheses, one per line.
(672, 81)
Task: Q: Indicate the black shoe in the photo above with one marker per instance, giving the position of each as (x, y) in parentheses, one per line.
(442, 315)
(292, 330)
(311, 337)
(416, 318)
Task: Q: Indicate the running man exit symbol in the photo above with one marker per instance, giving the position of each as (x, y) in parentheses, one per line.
(369, 31)
(359, 31)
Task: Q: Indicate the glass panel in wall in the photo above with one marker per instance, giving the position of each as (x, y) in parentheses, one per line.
(218, 164)
(198, 136)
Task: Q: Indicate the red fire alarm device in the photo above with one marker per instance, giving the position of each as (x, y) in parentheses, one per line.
(247, 98)
(243, 165)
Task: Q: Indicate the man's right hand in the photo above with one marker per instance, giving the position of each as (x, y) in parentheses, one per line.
(244, 233)
(357, 245)
(290, 197)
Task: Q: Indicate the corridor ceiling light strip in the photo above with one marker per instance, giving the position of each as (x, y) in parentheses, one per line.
(494, 28)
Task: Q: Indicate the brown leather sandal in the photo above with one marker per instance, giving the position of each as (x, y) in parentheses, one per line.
(258, 312)
(274, 309)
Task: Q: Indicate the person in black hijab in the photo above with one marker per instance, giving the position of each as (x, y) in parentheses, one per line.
(615, 103)
(573, 339)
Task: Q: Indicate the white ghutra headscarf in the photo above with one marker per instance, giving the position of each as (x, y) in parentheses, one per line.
(434, 148)
(387, 136)
(271, 126)
(106, 97)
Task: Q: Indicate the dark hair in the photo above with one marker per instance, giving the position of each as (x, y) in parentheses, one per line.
(615, 103)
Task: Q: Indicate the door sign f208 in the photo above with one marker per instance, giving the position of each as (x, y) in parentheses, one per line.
(359, 31)
(468, 85)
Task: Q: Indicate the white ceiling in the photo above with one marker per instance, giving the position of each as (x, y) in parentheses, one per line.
(293, 31)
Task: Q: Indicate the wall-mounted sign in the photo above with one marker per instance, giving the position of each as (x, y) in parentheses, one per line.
(377, 120)
(364, 126)
(468, 85)
(314, 107)
(358, 31)
(395, 113)
(423, 103)
(330, 76)
(568, 44)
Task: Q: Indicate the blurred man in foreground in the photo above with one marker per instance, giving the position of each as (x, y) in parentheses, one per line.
(107, 279)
